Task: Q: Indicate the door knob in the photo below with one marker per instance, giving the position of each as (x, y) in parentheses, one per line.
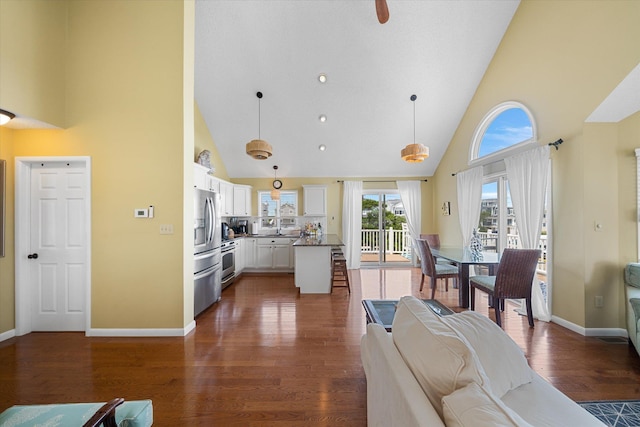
(32, 256)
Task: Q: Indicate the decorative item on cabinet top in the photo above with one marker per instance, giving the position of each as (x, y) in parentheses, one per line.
(204, 159)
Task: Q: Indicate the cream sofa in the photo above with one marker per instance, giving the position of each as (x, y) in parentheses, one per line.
(457, 370)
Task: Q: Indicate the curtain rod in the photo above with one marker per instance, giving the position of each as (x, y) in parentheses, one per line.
(424, 180)
(554, 144)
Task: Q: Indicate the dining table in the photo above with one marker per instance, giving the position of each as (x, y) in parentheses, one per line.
(464, 258)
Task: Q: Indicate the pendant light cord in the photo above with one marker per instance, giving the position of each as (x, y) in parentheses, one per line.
(259, 95)
(413, 99)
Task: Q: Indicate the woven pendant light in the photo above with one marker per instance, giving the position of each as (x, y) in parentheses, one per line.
(258, 148)
(414, 153)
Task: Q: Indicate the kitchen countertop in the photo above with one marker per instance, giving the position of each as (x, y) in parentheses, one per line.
(324, 240)
(266, 236)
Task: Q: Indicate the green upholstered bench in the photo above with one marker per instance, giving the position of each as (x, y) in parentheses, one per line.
(117, 412)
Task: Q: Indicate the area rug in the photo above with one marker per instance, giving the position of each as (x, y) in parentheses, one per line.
(615, 413)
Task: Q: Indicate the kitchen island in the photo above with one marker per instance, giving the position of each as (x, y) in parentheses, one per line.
(312, 270)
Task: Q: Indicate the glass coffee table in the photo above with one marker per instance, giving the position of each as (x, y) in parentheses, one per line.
(381, 311)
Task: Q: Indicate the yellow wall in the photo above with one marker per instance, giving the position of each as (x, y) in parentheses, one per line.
(7, 290)
(204, 141)
(561, 59)
(125, 109)
(32, 73)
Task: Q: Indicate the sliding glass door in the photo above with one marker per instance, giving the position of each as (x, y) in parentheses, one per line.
(385, 236)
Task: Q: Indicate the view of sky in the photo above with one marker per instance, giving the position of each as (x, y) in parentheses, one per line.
(509, 128)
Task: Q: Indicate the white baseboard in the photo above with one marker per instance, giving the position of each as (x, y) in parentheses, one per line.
(590, 332)
(98, 332)
(6, 335)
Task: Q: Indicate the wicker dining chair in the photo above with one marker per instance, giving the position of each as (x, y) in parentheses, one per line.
(434, 271)
(434, 243)
(513, 280)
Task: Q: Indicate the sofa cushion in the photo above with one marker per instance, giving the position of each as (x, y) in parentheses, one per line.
(632, 274)
(502, 359)
(474, 406)
(438, 357)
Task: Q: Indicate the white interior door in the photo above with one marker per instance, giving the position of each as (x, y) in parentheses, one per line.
(57, 258)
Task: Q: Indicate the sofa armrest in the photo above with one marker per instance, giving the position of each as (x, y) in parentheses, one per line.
(394, 397)
(541, 404)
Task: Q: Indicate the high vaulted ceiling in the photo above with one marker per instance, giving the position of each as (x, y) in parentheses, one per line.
(436, 49)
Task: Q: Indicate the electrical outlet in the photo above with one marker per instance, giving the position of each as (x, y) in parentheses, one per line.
(166, 228)
(599, 300)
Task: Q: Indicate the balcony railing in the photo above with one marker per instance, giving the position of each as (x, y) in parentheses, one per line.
(399, 242)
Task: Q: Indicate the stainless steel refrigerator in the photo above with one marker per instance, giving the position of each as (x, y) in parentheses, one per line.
(207, 256)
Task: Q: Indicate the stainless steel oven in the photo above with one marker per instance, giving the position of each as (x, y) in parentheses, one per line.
(228, 249)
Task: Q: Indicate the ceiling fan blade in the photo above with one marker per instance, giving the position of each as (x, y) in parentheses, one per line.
(382, 10)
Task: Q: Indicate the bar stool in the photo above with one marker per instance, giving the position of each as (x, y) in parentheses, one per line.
(339, 269)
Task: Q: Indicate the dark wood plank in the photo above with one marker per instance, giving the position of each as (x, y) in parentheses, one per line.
(266, 355)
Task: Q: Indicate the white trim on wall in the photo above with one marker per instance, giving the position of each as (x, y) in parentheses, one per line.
(590, 332)
(175, 332)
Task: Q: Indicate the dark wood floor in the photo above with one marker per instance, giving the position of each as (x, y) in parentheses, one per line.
(266, 355)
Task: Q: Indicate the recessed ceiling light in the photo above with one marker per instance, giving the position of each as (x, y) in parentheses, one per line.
(322, 78)
(322, 118)
(322, 147)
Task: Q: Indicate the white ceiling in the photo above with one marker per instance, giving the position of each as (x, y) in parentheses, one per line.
(438, 50)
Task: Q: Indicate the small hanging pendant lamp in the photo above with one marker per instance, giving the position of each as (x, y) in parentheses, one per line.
(414, 153)
(257, 148)
(275, 193)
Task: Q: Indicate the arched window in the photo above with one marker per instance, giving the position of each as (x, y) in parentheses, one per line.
(506, 128)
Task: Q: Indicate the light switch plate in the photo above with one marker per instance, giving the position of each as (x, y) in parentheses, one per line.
(166, 228)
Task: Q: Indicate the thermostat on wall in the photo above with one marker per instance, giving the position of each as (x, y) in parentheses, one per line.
(141, 213)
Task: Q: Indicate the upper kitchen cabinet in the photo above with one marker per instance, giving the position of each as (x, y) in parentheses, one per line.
(226, 191)
(202, 179)
(315, 200)
(241, 200)
(236, 199)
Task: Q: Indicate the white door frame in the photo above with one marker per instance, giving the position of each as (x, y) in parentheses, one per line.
(22, 237)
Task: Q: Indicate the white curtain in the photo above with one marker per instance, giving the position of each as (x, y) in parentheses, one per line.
(410, 195)
(469, 201)
(352, 222)
(527, 174)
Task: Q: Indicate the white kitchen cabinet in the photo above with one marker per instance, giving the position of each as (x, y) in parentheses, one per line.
(264, 256)
(200, 174)
(241, 200)
(281, 256)
(226, 192)
(204, 181)
(239, 256)
(213, 183)
(249, 252)
(315, 200)
(273, 253)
